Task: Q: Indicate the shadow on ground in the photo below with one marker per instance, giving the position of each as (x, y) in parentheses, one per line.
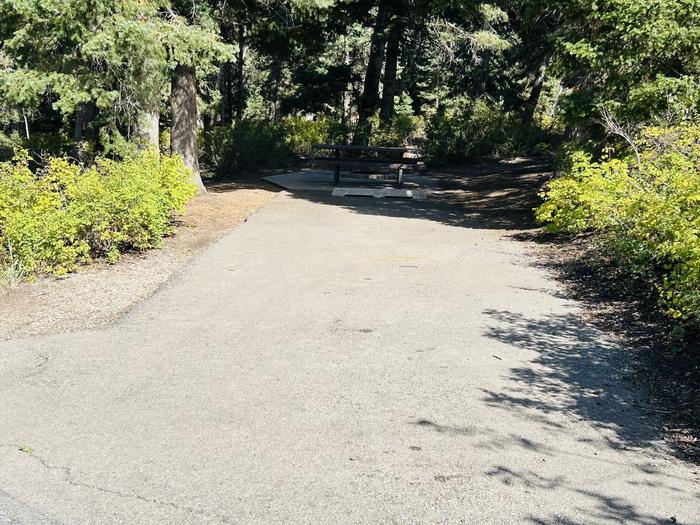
(574, 372)
(604, 507)
(228, 184)
(666, 369)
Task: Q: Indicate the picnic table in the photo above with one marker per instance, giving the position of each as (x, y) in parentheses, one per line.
(342, 156)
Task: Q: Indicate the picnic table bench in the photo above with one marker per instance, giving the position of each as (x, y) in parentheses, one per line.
(359, 157)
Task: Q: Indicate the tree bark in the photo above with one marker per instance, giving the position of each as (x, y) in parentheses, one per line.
(410, 75)
(240, 75)
(369, 101)
(147, 128)
(276, 79)
(386, 112)
(534, 98)
(228, 104)
(26, 124)
(84, 118)
(345, 95)
(185, 121)
(84, 129)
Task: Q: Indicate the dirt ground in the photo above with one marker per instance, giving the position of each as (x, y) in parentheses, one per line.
(99, 293)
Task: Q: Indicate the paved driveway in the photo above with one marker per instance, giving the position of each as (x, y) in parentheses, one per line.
(344, 361)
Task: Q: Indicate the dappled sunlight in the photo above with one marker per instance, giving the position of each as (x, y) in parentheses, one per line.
(576, 373)
(601, 472)
(603, 506)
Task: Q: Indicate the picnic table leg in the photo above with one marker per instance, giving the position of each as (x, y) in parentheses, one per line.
(399, 178)
(336, 176)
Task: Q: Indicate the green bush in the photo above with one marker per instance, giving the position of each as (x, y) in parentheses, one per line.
(38, 143)
(301, 133)
(9, 142)
(251, 145)
(645, 209)
(469, 130)
(64, 214)
(404, 130)
(56, 144)
(676, 98)
(248, 145)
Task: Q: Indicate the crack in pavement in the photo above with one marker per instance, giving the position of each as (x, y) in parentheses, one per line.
(68, 475)
(36, 369)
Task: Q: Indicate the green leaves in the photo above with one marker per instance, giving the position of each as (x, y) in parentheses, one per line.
(611, 48)
(648, 215)
(116, 53)
(65, 215)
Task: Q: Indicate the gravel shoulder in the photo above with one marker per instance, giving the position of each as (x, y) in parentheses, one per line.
(98, 294)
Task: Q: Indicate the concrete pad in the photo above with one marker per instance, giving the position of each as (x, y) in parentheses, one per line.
(303, 180)
(323, 181)
(380, 193)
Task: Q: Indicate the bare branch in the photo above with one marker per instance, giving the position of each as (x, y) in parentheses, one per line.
(613, 127)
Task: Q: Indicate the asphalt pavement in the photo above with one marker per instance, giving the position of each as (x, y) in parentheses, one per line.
(339, 361)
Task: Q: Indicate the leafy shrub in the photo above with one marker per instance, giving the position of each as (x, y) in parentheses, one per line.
(40, 144)
(117, 146)
(9, 142)
(64, 214)
(248, 145)
(404, 130)
(251, 145)
(473, 129)
(55, 144)
(300, 133)
(646, 210)
(676, 99)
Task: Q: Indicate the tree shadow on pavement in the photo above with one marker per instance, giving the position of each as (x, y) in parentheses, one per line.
(604, 507)
(597, 504)
(667, 369)
(576, 372)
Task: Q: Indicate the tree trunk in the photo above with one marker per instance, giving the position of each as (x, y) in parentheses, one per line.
(534, 98)
(276, 80)
(84, 118)
(228, 103)
(26, 124)
(84, 129)
(345, 117)
(185, 121)
(240, 78)
(410, 75)
(369, 101)
(147, 128)
(386, 112)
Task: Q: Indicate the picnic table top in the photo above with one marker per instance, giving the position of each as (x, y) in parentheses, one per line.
(376, 149)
